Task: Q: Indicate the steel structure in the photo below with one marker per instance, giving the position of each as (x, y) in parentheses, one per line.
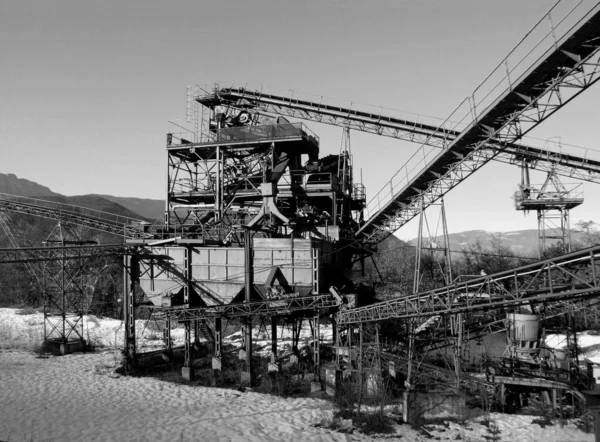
(581, 165)
(518, 95)
(18, 240)
(40, 254)
(257, 225)
(77, 215)
(553, 202)
(569, 277)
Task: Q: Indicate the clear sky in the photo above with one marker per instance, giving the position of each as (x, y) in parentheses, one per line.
(86, 88)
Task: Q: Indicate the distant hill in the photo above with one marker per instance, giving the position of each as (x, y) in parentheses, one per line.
(98, 203)
(11, 184)
(521, 242)
(148, 208)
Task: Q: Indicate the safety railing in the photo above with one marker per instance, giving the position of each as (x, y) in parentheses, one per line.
(269, 131)
(541, 40)
(570, 194)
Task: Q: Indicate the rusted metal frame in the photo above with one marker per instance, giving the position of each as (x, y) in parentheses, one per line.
(378, 128)
(439, 187)
(72, 218)
(268, 307)
(572, 275)
(510, 129)
(434, 298)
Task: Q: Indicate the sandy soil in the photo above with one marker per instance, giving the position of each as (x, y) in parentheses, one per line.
(79, 397)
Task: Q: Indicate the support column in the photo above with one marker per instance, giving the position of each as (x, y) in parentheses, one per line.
(217, 358)
(316, 346)
(130, 277)
(246, 375)
(196, 345)
(187, 372)
(458, 348)
(334, 330)
(274, 364)
(167, 336)
(407, 383)
(296, 327)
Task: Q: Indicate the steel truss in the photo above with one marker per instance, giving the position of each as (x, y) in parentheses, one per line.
(280, 307)
(17, 240)
(65, 289)
(41, 254)
(69, 214)
(568, 277)
(568, 67)
(567, 164)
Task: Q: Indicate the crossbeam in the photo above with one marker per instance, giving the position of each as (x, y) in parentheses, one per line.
(82, 216)
(566, 68)
(569, 277)
(272, 307)
(40, 254)
(582, 166)
(485, 127)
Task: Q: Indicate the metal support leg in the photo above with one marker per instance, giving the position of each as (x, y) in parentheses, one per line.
(296, 326)
(334, 330)
(130, 273)
(458, 347)
(187, 371)
(217, 358)
(167, 336)
(197, 333)
(247, 333)
(316, 347)
(273, 365)
(407, 383)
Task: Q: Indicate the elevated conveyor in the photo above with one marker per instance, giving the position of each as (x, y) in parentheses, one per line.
(561, 69)
(538, 77)
(82, 216)
(581, 163)
(574, 276)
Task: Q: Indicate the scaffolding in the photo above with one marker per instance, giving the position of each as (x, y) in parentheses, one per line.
(552, 201)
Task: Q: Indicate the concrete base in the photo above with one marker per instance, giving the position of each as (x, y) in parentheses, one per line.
(216, 363)
(438, 406)
(187, 373)
(332, 377)
(66, 348)
(272, 367)
(246, 379)
(315, 387)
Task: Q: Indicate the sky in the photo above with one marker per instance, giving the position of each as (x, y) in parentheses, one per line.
(87, 88)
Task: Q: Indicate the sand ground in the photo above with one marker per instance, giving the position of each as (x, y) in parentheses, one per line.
(79, 397)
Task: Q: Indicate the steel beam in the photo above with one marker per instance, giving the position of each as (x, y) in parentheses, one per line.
(69, 214)
(568, 277)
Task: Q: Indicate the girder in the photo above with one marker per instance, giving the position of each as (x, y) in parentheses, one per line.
(271, 307)
(17, 239)
(483, 127)
(569, 277)
(566, 69)
(567, 164)
(82, 216)
(39, 254)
